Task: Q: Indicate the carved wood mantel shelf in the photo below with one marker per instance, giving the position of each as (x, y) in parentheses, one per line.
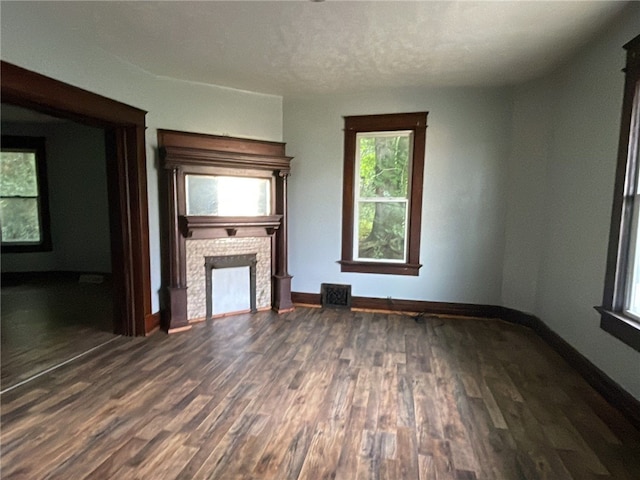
(197, 227)
(183, 154)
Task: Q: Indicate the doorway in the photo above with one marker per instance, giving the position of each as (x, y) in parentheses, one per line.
(124, 128)
(56, 295)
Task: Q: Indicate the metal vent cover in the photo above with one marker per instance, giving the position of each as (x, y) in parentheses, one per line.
(335, 295)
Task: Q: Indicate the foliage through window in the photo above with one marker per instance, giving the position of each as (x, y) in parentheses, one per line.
(620, 310)
(383, 166)
(382, 196)
(24, 214)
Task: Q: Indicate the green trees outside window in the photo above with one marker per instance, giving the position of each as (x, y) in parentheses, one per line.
(382, 193)
(19, 197)
(24, 216)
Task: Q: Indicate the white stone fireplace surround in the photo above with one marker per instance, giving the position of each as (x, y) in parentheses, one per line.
(197, 250)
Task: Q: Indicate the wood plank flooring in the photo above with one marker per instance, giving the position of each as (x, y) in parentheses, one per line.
(46, 321)
(318, 394)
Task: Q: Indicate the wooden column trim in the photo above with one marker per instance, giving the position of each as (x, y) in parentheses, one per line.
(175, 315)
(282, 280)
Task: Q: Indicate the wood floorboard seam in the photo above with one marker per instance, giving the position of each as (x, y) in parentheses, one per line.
(58, 365)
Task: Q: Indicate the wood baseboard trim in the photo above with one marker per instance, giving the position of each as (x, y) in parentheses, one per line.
(154, 330)
(284, 310)
(179, 329)
(425, 307)
(407, 306)
(306, 299)
(613, 393)
(151, 323)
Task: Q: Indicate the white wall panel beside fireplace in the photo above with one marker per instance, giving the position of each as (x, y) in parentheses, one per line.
(197, 250)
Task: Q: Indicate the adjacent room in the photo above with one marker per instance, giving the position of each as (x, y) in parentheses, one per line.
(320, 239)
(56, 258)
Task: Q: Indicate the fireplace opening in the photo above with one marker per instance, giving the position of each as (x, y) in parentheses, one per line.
(226, 289)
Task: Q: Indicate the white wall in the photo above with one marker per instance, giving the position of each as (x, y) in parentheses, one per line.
(78, 203)
(30, 41)
(566, 129)
(531, 132)
(464, 192)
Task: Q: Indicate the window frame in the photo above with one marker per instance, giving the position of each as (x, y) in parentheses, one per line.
(415, 122)
(36, 145)
(614, 318)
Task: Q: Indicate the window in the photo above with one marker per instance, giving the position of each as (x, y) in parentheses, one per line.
(620, 310)
(382, 193)
(24, 209)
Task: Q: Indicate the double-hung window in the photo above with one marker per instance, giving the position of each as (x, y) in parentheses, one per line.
(24, 208)
(382, 193)
(620, 310)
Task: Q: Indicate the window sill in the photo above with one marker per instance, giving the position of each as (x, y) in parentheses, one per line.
(622, 327)
(380, 267)
(26, 248)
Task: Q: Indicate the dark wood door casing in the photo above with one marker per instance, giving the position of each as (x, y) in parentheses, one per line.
(126, 179)
(184, 153)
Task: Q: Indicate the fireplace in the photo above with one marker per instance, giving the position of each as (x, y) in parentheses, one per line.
(199, 254)
(225, 197)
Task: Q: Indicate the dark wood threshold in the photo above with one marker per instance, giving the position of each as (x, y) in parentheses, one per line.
(613, 393)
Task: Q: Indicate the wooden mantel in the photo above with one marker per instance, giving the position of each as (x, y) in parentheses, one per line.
(183, 153)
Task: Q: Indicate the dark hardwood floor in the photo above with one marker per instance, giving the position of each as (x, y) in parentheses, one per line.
(47, 320)
(317, 394)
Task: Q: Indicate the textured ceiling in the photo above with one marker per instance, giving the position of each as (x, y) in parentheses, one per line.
(299, 47)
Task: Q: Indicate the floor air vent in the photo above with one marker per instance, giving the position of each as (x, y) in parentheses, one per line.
(334, 295)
